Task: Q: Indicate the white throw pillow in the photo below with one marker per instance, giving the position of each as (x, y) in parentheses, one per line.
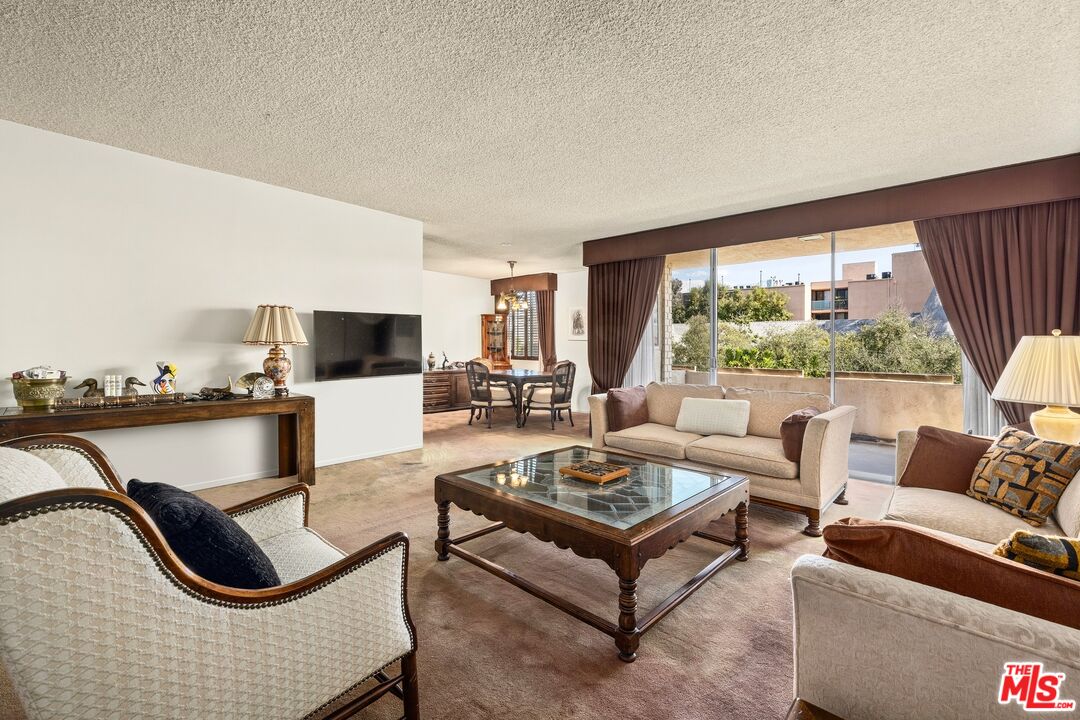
(705, 416)
(1067, 510)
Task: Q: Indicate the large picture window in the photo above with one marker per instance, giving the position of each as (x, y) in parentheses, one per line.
(522, 329)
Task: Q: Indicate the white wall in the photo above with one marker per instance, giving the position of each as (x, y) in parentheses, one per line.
(113, 260)
(573, 292)
(453, 305)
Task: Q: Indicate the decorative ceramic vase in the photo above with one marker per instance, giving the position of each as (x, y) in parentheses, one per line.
(38, 395)
(277, 368)
(431, 361)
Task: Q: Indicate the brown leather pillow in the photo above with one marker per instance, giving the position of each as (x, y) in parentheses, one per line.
(626, 408)
(913, 554)
(793, 430)
(943, 460)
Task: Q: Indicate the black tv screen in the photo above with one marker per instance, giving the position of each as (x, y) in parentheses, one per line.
(357, 344)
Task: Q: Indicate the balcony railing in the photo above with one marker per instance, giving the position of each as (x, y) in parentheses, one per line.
(841, 304)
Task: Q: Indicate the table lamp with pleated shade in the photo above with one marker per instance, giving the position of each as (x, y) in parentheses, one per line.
(1045, 370)
(276, 325)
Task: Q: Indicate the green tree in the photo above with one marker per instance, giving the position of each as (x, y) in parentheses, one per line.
(693, 349)
(735, 306)
(756, 305)
(805, 348)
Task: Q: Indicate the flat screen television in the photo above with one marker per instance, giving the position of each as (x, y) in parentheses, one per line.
(360, 344)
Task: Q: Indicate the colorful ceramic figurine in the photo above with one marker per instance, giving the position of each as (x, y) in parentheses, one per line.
(165, 382)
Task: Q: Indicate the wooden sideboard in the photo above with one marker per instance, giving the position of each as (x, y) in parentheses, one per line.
(295, 416)
(445, 390)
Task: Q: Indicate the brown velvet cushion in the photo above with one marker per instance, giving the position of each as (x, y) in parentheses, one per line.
(793, 430)
(913, 554)
(943, 460)
(626, 408)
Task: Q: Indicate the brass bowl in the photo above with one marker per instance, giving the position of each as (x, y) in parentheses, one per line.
(38, 395)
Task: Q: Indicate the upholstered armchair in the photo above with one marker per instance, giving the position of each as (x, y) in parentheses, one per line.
(101, 620)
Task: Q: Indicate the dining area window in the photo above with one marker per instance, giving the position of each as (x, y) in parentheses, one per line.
(522, 331)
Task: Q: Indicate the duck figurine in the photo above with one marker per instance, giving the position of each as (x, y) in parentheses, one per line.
(92, 389)
(129, 385)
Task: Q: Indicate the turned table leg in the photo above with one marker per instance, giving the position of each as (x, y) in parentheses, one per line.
(442, 544)
(742, 537)
(628, 637)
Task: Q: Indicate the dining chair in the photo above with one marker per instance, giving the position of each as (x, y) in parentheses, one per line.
(554, 397)
(484, 396)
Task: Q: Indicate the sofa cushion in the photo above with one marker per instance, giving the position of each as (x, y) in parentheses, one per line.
(1058, 555)
(207, 540)
(665, 401)
(1067, 512)
(652, 439)
(912, 554)
(943, 460)
(793, 432)
(1024, 474)
(754, 454)
(957, 514)
(707, 416)
(626, 408)
(768, 408)
(299, 553)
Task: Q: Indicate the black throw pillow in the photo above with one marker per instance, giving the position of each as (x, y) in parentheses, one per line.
(207, 540)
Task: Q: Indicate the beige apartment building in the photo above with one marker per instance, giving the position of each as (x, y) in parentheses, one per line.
(861, 292)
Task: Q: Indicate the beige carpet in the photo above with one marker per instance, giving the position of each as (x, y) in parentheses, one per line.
(489, 650)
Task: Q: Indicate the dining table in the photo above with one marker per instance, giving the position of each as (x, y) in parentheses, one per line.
(519, 378)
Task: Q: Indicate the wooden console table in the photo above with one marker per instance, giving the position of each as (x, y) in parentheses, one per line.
(295, 413)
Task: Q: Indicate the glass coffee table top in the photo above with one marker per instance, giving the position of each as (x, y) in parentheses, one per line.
(648, 490)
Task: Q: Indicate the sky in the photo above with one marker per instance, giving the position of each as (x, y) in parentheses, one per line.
(812, 268)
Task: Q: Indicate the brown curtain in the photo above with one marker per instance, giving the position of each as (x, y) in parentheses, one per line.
(545, 327)
(1003, 274)
(621, 299)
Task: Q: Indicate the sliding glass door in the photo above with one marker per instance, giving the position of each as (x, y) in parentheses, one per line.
(852, 314)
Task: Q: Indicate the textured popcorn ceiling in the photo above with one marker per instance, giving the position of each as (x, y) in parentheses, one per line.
(543, 124)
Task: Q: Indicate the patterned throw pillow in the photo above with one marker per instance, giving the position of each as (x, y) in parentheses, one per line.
(1059, 555)
(1024, 474)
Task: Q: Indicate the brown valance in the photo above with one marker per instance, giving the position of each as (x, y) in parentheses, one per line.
(536, 281)
(1024, 184)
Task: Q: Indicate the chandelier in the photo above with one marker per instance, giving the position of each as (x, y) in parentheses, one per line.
(512, 300)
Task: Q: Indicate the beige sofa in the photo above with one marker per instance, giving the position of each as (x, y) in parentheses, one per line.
(871, 646)
(808, 486)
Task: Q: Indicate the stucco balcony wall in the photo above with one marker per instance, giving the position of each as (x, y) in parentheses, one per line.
(885, 406)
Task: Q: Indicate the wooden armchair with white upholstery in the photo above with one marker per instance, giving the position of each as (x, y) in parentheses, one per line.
(554, 397)
(484, 395)
(100, 619)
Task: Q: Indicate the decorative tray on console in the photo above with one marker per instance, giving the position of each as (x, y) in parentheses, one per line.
(595, 472)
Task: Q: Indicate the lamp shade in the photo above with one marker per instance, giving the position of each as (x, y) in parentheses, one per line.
(1043, 370)
(275, 325)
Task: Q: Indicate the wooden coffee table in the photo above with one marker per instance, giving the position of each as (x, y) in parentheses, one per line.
(625, 523)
